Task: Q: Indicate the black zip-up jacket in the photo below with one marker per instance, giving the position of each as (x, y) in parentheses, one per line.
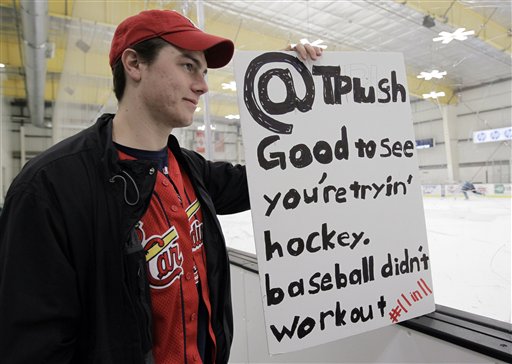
(73, 287)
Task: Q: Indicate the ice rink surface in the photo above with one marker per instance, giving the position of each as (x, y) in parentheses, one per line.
(470, 251)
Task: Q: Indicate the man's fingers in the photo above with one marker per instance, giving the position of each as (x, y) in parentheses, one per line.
(305, 51)
(301, 51)
(313, 52)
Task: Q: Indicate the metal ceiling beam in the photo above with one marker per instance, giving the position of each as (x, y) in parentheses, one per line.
(34, 20)
(458, 15)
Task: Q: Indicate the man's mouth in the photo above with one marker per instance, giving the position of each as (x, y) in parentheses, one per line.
(192, 101)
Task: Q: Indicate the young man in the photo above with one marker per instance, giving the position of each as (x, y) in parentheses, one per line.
(110, 247)
(469, 187)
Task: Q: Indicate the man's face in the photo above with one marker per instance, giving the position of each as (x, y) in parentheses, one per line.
(171, 86)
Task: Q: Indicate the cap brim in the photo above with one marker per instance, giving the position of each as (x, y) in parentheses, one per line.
(218, 51)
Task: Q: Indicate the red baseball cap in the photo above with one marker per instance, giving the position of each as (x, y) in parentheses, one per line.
(173, 28)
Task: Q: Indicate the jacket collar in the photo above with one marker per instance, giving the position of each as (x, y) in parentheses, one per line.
(103, 128)
(109, 156)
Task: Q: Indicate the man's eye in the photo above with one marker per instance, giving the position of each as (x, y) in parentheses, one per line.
(189, 66)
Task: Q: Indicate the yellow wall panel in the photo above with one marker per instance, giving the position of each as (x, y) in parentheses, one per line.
(62, 7)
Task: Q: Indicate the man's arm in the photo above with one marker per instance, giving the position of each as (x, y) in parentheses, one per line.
(39, 306)
(228, 187)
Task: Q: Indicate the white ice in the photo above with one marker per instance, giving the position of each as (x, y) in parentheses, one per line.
(470, 251)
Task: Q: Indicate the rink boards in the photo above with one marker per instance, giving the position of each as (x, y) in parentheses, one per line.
(453, 190)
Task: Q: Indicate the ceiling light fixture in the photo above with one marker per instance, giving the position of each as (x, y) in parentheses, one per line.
(316, 43)
(231, 117)
(432, 74)
(459, 34)
(229, 86)
(434, 95)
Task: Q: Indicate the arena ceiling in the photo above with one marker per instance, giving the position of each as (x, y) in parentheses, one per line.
(79, 34)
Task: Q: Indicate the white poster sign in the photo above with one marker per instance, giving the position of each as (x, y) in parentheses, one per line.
(335, 194)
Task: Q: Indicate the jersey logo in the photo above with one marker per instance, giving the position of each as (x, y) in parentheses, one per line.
(196, 233)
(163, 257)
(196, 227)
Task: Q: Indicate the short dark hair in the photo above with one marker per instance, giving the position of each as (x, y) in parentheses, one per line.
(147, 50)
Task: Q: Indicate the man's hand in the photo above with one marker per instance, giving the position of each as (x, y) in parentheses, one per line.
(305, 51)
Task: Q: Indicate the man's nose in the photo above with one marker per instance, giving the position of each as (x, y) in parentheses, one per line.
(201, 86)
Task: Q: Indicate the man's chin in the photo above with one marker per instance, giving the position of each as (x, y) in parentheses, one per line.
(189, 122)
(183, 123)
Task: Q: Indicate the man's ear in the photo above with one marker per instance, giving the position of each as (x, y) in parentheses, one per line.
(131, 64)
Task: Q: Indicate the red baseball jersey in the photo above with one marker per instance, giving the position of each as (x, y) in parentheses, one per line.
(171, 233)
